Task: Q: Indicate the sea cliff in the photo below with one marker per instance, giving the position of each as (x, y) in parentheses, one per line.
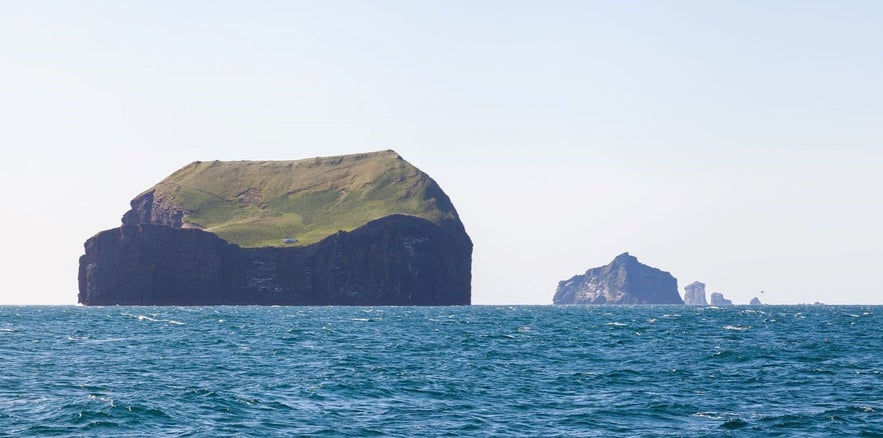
(694, 294)
(718, 299)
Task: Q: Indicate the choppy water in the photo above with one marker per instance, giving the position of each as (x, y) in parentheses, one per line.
(481, 370)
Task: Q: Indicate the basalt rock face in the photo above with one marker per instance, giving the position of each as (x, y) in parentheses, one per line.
(717, 299)
(623, 281)
(157, 257)
(694, 294)
(146, 209)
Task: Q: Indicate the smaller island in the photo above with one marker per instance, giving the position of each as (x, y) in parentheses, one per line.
(622, 281)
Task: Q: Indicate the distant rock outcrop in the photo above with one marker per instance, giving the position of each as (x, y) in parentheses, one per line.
(755, 302)
(623, 281)
(717, 299)
(694, 294)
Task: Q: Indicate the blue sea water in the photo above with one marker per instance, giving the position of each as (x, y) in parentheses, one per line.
(474, 371)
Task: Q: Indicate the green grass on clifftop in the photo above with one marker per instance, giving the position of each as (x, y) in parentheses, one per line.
(258, 203)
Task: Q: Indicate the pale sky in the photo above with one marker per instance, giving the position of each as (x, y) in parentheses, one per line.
(736, 143)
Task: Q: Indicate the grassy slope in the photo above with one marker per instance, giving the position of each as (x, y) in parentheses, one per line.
(308, 199)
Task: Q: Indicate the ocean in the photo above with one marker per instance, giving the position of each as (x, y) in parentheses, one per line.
(442, 371)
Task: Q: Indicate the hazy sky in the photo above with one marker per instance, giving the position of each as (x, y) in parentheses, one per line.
(736, 143)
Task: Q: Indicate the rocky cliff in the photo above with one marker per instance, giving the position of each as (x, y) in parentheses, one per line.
(717, 299)
(694, 294)
(366, 229)
(623, 281)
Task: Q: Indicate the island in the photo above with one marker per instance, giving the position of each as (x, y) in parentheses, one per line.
(364, 229)
(622, 281)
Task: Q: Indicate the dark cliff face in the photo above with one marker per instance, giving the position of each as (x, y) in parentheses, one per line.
(396, 260)
(146, 209)
(623, 281)
(152, 264)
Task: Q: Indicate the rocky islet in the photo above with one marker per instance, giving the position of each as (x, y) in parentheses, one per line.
(694, 294)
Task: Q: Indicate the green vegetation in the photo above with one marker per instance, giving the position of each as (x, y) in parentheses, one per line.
(258, 203)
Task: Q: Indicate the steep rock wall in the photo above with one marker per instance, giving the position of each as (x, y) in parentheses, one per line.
(396, 260)
(694, 294)
(717, 299)
(148, 209)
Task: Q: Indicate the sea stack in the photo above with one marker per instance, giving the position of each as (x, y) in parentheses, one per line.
(694, 294)
(365, 229)
(717, 299)
(623, 281)
(754, 302)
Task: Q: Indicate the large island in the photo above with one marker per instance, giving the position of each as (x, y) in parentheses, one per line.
(366, 229)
